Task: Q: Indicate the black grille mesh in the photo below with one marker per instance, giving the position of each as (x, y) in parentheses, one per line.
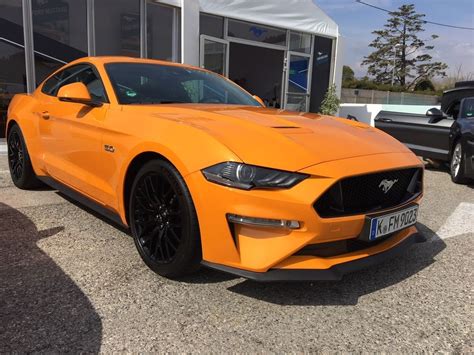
(364, 194)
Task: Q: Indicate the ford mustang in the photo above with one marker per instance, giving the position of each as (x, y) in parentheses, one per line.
(203, 174)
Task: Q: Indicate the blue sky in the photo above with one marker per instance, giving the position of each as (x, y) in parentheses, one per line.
(356, 22)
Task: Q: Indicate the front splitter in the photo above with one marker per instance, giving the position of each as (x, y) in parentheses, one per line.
(334, 273)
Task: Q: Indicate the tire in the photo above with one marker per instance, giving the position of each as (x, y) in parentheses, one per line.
(457, 165)
(163, 221)
(21, 171)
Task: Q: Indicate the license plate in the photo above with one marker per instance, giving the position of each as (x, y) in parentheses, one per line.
(387, 224)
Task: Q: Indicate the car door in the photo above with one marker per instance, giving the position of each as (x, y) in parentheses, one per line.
(71, 133)
(466, 127)
(424, 135)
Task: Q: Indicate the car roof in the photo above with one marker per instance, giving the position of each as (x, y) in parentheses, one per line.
(123, 59)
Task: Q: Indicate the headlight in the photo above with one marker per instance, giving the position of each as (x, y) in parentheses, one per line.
(246, 177)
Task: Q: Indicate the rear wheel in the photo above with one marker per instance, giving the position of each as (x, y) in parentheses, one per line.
(163, 220)
(457, 165)
(19, 162)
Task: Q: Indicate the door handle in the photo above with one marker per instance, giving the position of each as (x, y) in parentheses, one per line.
(385, 120)
(45, 115)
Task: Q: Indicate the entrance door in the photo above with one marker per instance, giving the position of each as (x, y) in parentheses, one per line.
(258, 70)
(297, 88)
(214, 55)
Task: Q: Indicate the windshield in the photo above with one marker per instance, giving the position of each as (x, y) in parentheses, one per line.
(142, 83)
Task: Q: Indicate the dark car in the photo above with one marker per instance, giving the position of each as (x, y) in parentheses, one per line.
(461, 141)
(445, 135)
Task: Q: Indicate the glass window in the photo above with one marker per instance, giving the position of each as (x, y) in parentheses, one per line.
(321, 71)
(298, 75)
(215, 56)
(79, 73)
(453, 109)
(117, 27)
(60, 33)
(467, 108)
(11, 20)
(300, 42)
(12, 56)
(296, 102)
(258, 33)
(49, 87)
(211, 25)
(163, 32)
(138, 83)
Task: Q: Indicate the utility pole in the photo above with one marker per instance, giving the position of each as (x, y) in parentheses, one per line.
(394, 61)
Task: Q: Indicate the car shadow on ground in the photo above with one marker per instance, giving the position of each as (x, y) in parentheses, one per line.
(41, 308)
(344, 292)
(348, 290)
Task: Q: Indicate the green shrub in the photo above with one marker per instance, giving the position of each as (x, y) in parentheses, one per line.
(331, 102)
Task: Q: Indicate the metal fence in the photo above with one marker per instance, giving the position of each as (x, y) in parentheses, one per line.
(360, 96)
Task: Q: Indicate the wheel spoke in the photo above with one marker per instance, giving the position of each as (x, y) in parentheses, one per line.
(174, 235)
(158, 217)
(144, 205)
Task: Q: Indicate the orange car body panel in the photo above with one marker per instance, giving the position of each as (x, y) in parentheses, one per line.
(69, 147)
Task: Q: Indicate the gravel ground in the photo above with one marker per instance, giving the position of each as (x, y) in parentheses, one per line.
(70, 281)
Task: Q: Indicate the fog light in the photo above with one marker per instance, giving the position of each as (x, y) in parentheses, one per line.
(263, 222)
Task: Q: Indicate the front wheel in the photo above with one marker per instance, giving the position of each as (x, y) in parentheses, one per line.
(163, 220)
(458, 164)
(21, 170)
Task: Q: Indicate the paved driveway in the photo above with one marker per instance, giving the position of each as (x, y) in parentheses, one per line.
(71, 281)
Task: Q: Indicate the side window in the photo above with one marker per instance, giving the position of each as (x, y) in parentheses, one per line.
(467, 108)
(53, 84)
(93, 83)
(79, 73)
(453, 109)
(50, 84)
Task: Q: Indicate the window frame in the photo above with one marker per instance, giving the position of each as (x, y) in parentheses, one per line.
(60, 71)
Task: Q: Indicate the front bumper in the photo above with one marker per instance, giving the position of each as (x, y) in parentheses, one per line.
(334, 273)
(252, 250)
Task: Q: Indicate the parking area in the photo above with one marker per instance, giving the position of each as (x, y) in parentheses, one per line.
(70, 281)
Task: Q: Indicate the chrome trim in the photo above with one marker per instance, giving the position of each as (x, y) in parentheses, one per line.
(263, 222)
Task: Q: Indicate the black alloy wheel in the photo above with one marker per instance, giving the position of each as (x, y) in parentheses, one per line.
(21, 170)
(163, 220)
(16, 155)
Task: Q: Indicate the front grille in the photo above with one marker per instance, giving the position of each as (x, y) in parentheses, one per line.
(365, 193)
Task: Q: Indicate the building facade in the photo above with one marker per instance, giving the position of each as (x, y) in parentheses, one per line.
(286, 52)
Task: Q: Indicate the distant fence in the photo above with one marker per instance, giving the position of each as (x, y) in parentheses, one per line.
(360, 96)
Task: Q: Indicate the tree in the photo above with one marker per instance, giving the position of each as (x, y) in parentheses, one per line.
(348, 75)
(424, 85)
(401, 57)
(330, 103)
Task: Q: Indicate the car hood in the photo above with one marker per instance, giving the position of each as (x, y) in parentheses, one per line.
(283, 139)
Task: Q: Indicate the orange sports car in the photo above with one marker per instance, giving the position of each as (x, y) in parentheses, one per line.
(202, 173)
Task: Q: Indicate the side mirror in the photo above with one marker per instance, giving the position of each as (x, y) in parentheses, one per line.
(77, 92)
(435, 115)
(260, 101)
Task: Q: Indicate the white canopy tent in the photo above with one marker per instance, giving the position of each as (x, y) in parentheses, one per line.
(299, 15)
(302, 16)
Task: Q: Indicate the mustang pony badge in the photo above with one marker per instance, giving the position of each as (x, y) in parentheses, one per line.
(386, 185)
